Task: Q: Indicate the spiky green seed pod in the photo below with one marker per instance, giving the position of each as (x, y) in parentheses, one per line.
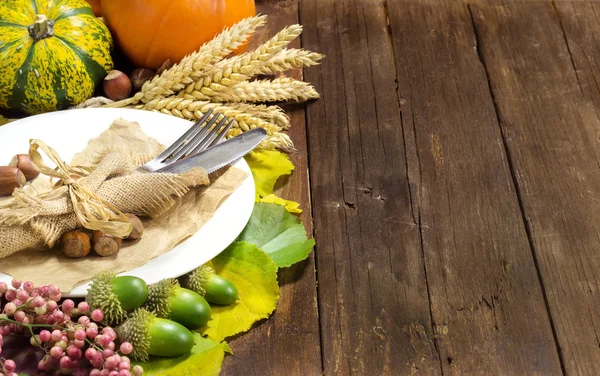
(196, 280)
(116, 296)
(211, 286)
(150, 335)
(135, 331)
(166, 299)
(158, 297)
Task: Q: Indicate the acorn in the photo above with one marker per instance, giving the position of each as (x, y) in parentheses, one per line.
(117, 85)
(116, 296)
(211, 286)
(11, 178)
(23, 163)
(151, 335)
(106, 245)
(75, 244)
(168, 300)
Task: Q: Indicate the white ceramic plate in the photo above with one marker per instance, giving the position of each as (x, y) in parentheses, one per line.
(68, 132)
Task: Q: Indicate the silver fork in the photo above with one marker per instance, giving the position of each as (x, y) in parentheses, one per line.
(199, 137)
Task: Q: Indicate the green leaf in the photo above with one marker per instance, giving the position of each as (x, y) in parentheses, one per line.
(268, 166)
(255, 275)
(3, 120)
(205, 359)
(291, 206)
(280, 234)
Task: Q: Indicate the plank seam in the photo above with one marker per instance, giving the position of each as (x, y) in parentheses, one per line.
(509, 159)
(312, 210)
(416, 216)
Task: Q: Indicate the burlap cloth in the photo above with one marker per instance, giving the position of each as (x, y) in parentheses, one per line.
(176, 206)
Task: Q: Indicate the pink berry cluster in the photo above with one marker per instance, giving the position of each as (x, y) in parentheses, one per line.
(7, 367)
(69, 333)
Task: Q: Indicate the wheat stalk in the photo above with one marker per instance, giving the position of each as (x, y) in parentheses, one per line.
(240, 68)
(290, 59)
(211, 52)
(278, 90)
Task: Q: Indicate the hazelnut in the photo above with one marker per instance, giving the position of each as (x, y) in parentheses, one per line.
(23, 163)
(117, 85)
(139, 76)
(165, 65)
(75, 244)
(10, 179)
(138, 227)
(106, 245)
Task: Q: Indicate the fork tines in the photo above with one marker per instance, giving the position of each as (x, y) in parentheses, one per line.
(202, 135)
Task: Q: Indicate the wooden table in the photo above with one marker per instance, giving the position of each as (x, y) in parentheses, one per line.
(451, 177)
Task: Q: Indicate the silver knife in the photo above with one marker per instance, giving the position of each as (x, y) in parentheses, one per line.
(221, 155)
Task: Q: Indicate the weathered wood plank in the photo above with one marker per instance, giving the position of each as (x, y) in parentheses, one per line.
(289, 342)
(550, 127)
(580, 22)
(486, 299)
(373, 302)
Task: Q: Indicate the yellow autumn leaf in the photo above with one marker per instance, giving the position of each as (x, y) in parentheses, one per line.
(254, 274)
(205, 359)
(291, 206)
(267, 166)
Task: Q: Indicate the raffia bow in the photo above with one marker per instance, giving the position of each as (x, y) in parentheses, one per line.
(92, 212)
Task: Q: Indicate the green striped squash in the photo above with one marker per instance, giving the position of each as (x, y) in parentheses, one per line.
(52, 54)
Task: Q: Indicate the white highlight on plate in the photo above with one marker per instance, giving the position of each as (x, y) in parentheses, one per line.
(68, 132)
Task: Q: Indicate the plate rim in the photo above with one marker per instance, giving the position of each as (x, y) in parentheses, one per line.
(80, 290)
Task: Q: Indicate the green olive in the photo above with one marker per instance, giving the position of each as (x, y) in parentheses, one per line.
(220, 290)
(132, 292)
(189, 309)
(169, 339)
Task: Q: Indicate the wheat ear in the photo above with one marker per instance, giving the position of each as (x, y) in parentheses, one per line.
(272, 114)
(278, 90)
(193, 110)
(211, 52)
(290, 59)
(240, 68)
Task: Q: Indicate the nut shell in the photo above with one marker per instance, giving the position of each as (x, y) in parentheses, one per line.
(138, 227)
(139, 76)
(10, 179)
(117, 85)
(75, 244)
(23, 163)
(106, 245)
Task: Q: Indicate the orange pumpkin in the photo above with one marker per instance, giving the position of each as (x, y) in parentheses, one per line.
(151, 31)
(96, 7)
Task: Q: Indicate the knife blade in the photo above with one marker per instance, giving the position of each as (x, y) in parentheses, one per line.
(219, 156)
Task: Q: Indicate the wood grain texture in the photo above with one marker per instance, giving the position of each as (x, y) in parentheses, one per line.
(373, 302)
(288, 343)
(580, 22)
(486, 300)
(550, 126)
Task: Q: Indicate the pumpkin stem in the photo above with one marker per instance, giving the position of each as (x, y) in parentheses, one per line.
(42, 27)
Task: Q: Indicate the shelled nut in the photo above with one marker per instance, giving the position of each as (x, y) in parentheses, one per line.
(10, 179)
